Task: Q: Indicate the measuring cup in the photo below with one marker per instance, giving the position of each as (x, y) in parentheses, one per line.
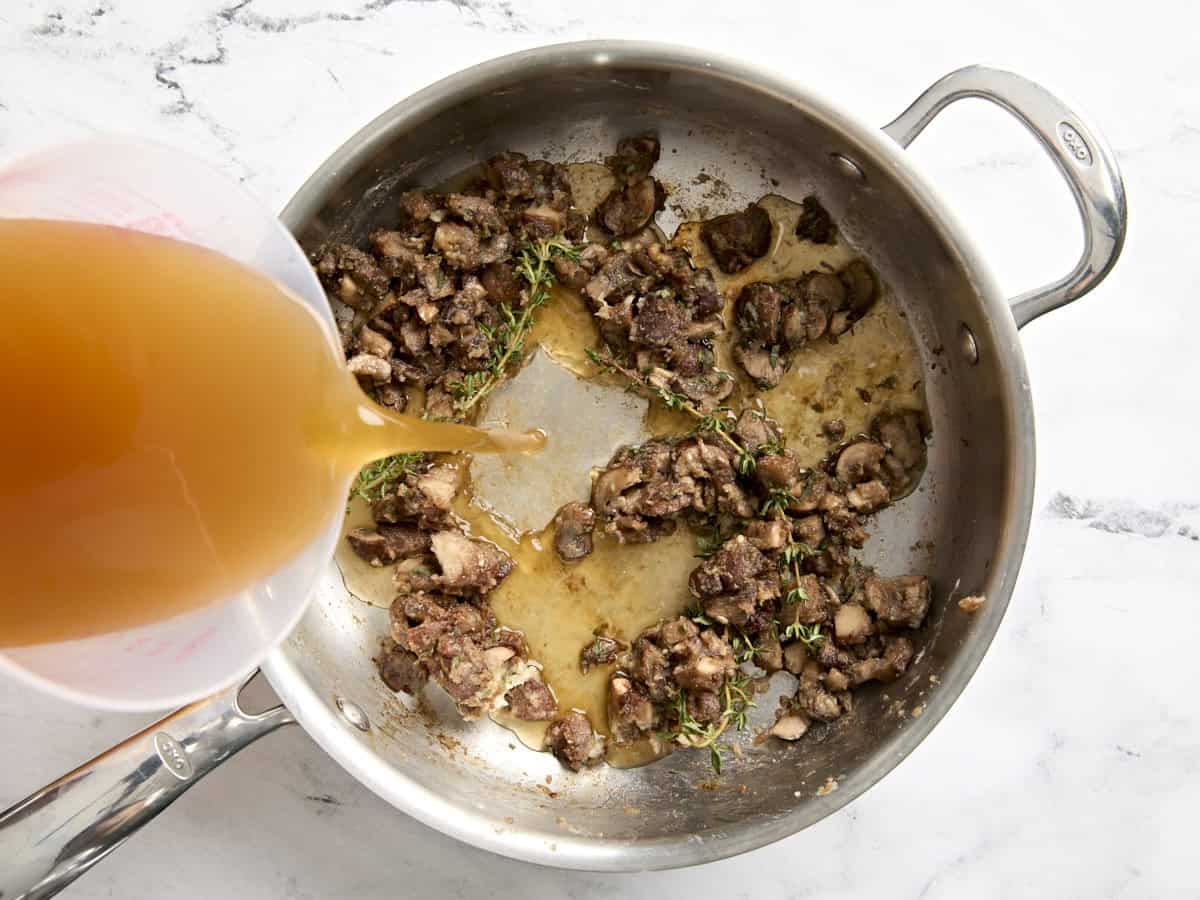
(144, 186)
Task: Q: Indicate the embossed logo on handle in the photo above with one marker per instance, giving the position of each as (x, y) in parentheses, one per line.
(171, 752)
(1074, 143)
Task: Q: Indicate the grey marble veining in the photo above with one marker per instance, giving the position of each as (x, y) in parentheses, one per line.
(1070, 767)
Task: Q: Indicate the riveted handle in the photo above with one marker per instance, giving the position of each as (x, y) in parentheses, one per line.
(1081, 154)
(55, 835)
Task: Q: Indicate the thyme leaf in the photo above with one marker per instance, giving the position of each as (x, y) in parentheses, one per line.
(535, 265)
(378, 478)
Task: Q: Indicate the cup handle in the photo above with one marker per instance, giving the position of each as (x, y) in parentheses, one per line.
(55, 835)
(1081, 154)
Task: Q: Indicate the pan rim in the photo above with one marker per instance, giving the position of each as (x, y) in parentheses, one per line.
(316, 714)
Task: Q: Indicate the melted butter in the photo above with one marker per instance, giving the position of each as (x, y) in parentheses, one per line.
(565, 328)
(531, 734)
(559, 606)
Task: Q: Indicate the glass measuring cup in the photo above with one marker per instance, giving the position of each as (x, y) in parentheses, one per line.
(147, 187)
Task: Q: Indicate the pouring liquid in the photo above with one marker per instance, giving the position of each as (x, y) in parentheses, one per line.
(176, 426)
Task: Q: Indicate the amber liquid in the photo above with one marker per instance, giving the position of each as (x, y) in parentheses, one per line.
(176, 426)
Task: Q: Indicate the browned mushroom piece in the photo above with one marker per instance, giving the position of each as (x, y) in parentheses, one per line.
(859, 462)
(737, 239)
(574, 742)
(532, 701)
(573, 526)
(815, 224)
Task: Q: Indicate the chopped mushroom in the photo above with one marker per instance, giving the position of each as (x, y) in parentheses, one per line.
(532, 701)
(735, 583)
(851, 624)
(630, 712)
(468, 566)
(387, 543)
(737, 239)
(573, 741)
(768, 534)
(897, 654)
(755, 429)
(814, 698)
(439, 484)
(764, 367)
(400, 670)
(371, 368)
(600, 651)
(375, 344)
(775, 319)
(573, 525)
(459, 244)
(901, 602)
(635, 157)
(860, 462)
(868, 496)
(628, 210)
(791, 727)
(815, 224)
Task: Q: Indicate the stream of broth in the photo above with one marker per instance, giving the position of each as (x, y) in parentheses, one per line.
(176, 427)
(623, 589)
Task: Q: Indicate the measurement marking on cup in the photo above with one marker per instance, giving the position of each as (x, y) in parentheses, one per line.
(171, 752)
(1074, 143)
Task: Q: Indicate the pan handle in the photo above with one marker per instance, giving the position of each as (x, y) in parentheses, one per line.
(1081, 154)
(52, 837)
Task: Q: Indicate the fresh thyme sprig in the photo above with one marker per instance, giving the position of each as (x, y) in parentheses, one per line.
(782, 500)
(535, 266)
(809, 635)
(777, 500)
(735, 703)
(744, 648)
(375, 480)
(790, 558)
(795, 594)
(794, 552)
(717, 424)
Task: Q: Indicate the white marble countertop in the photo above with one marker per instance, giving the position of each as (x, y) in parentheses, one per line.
(1070, 767)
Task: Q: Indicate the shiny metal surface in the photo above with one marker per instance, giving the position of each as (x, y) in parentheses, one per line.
(756, 134)
(54, 836)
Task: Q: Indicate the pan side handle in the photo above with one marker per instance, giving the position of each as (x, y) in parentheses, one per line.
(55, 835)
(1080, 153)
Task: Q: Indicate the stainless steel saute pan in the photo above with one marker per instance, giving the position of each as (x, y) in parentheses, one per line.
(746, 126)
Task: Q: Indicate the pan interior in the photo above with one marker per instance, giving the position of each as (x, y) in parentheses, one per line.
(474, 779)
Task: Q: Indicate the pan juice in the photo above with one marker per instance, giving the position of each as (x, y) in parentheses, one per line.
(176, 426)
